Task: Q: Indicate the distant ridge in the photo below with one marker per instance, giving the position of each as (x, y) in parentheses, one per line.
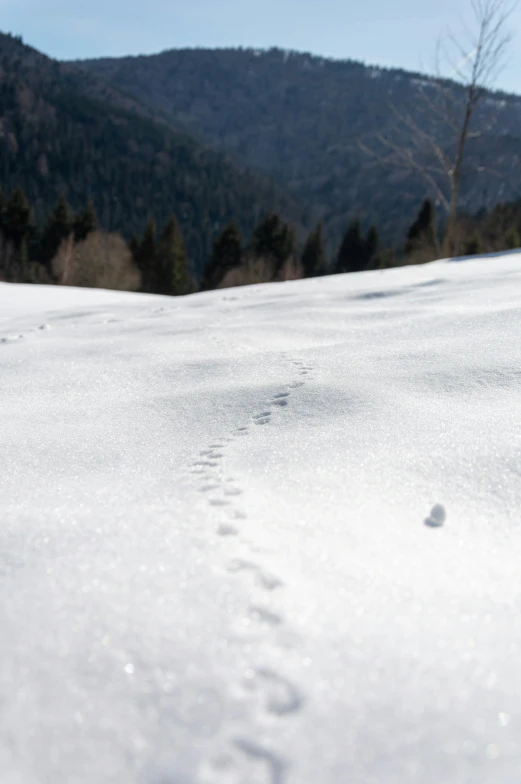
(300, 118)
(66, 129)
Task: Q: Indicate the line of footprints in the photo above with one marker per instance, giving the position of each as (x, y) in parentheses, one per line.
(271, 691)
(13, 338)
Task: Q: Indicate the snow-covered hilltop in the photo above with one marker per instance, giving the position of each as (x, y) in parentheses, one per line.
(214, 562)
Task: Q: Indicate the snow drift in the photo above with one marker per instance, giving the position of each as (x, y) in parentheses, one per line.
(215, 566)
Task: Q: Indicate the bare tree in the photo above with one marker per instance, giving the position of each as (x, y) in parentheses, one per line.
(63, 263)
(101, 260)
(473, 65)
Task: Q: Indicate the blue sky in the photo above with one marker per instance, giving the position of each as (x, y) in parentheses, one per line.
(385, 32)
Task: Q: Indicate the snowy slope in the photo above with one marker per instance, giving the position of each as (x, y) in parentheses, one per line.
(214, 566)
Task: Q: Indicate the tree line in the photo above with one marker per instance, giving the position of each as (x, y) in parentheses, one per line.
(72, 249)
(50, 253)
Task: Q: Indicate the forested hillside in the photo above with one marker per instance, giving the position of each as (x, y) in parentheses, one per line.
(64, 131)
(304, 120)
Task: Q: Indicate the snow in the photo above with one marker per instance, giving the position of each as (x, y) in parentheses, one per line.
(495, 102)
(421, 82)
(216, 560)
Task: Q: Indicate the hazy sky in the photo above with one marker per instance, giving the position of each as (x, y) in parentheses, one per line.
(384, 32)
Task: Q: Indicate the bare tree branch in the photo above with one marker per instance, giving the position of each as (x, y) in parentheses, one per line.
(473, 65)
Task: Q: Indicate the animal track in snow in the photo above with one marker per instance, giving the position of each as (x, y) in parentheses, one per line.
(280, 695)
(263, 616)
(266, 580)
(262, 419)
(219, 502)
(256, 622)
(210, 463)
(263, 766)
(209, 488)
(280, 399)
(210, 453)
(15, 337)
(11, 338)
(232, 491)
(226, 529)
(269, 692)
(276, 766)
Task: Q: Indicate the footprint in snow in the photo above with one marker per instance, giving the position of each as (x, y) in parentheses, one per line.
(228, 767)
(225, 529)
(232, 491)
(262, 419)
(280, 695)
(209, 488)
(437, 516)
(263, 616)
(266, 580)
(253, 626)
(281, 399)
(11, 338)
(219, 502)
(205, 462)
(276, 766)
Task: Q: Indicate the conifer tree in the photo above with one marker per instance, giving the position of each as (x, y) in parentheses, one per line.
(3, 208)
(273, 239)
(172, 270)
(352, 254)
(134, 246)
(422, 232)
(313, 257)
(85, 222)
(473, 246)
(17, 218)
(265, 234)
(23, 258)
(226, 255)
(286, 242)
(58, 228)
(372, 247)
(145, 257)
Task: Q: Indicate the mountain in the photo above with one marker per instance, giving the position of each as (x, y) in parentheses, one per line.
(64, 129)
(302, 119)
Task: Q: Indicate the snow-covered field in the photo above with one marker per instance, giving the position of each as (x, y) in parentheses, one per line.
(214, 562)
